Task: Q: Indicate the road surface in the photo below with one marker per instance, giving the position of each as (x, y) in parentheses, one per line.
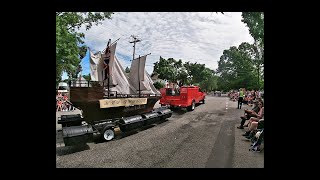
(204, 138)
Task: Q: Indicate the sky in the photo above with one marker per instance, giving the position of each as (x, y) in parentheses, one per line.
(190, 36)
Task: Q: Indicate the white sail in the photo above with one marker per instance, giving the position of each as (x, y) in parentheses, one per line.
(118, 80)
(121, 83)
(94, 61)
(136, 74)
(138, 69)
(101, 74)
(150, 81)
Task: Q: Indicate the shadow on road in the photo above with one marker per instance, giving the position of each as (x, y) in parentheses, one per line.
(60, 151)
(99, 139)
(178, 111)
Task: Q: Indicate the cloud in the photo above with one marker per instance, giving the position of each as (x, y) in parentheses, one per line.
(191, 36)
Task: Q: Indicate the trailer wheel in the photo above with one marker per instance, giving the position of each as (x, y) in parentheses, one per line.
(193, 105)
(108, 134)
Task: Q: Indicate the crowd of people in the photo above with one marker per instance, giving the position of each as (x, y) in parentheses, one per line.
(245, 97)
(252, 122)
(62, 102)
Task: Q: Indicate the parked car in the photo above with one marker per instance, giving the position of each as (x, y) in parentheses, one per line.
(63, 87)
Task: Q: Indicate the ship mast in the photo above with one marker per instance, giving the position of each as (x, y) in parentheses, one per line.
(135, 40)
(106, 51)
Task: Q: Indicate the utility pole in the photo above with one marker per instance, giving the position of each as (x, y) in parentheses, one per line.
(139, 76)
(135, 40)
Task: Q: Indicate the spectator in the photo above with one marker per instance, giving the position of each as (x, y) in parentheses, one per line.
(255, 119)
(59, 105)
(248, 114)
(241, 93)
(259, 138)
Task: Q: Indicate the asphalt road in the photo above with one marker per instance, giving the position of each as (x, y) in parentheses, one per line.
(204, 138)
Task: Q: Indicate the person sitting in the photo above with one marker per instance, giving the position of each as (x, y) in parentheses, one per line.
(250, 100)
(248, 114)
(256, 146)
(254, 126)
(245, 100)
(258, 115)
(255, 119)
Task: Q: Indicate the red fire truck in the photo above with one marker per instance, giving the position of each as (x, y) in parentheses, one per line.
(185, 97)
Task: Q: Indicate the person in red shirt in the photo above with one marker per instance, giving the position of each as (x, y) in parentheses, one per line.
(66, 105)
(65, 97)
(59, 105)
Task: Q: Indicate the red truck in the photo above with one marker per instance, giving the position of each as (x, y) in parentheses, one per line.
(185, 97)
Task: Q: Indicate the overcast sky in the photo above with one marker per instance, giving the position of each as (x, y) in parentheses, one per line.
(190, 36)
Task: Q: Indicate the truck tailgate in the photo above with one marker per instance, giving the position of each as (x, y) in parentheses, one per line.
(172, 98)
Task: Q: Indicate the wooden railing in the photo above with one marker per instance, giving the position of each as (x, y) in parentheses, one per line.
(111, 94)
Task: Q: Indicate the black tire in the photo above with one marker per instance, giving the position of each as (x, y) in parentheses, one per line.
(108, 134)
(193, 106)
(203, 101)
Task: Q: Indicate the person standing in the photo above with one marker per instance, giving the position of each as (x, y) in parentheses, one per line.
(240, 99)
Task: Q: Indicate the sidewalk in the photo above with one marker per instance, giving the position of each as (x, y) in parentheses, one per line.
(242, 157)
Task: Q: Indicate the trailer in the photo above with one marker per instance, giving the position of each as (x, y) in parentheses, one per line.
(76, 131)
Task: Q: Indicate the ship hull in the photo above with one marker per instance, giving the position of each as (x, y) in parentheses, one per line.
(87, 100)
(91, 111)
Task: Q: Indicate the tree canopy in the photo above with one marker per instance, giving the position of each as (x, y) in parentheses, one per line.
(69, 42)
(240, 67)
(87, 77)
(127, 70)
(243, 66)
(186, 73)
(255, 23)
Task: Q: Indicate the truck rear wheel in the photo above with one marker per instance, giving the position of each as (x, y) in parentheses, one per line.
(192, 107)
(108, 134)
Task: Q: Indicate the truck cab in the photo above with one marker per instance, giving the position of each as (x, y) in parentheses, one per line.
(184, 97)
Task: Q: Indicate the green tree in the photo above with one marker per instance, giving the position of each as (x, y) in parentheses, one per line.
(238, 68)
(87, 77)
(184, 77)
(69, 42)
(185, 74)
(127, 70)
(255, 23)
(168, 69)
(159, 85)
(198, 72)
(209, 80)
